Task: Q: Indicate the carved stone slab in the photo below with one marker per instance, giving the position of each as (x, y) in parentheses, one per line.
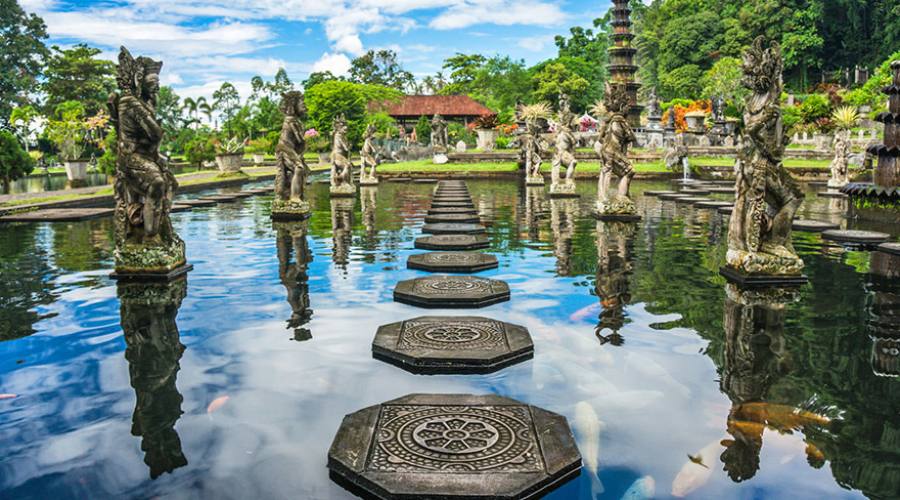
(457, 218)
(452, 242)
(452, 262)
(452, 204)
(721, 190)
(453, 210)
(453, 446)
(444, 345)
(695, 191)
(451, 292)
(891, 248)
(813, 226)
(452, 228)
(425, 181)
(180, 207)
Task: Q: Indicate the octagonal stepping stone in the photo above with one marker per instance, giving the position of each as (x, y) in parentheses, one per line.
(425, 181)
(813, 226)
(457, 344)
(453, 446)
(658, 193)
(452, 262)
(726, 210)
(891, 248)
(242, 194)
(198, 203)
(453, 228)
(452, 210)
(721, 190)
(691, 200)
(451, 199)
(452, 292)
(831, 194)
(856, 236)
(398, 179)
(451, 204)
(180, 207)
(457, 218)
(695, 192)
(714, 204)
(59, 215)
(221, 198)
(452, 242)
(672, 197)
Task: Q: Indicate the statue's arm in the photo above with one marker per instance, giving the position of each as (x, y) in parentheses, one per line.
(147, 120)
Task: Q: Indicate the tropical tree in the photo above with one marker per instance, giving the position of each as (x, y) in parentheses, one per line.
(22, 56)
(553, 79)
(77, 74)
(381, 68)
(328, 99)
(227, 100)
(22, 120)
(14, 161)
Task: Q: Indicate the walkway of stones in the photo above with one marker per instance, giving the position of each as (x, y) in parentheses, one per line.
(452, 445)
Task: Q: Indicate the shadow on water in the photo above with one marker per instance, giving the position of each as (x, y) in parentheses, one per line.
(697, 389)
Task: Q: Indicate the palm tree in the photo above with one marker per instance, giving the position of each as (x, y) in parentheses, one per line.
(191, 106)
(205, 108)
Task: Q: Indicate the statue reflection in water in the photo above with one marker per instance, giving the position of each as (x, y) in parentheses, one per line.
(883, 313)
(534, 199)
(293, 263)
(368, 198)
(153, 351)
(563, 212)
(755, 359)
(614, 267)
(341, 230)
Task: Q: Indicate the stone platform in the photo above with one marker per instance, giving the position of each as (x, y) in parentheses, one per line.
(452, 204)
(453, 446)
(452, 292)
(59, 215)
(813, 226)
(452, 262)
(452, 345)
(658, 193)
(452, 228)
(453, 210)
(751, 281)
(714, 204)
(452, 218)
(891, 248)
(197, 203)
(452, 242)
(856, 236)
(221, 198)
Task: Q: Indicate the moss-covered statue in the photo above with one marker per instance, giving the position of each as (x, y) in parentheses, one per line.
(146, 243)
(291, 169)
(341, 168)
(759, 234)
(615, 136)
(565, 152)
(369, 156)
(440, 137)
(533, 144)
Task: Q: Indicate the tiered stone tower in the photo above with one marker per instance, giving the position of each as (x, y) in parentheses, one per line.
(621, 58)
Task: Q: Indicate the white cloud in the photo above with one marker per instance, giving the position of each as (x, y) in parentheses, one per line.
(501, 12)
(535, 43)
(338, 64)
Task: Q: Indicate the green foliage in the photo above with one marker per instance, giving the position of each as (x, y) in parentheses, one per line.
(261, 145)
(317, 78)
(22, 55)
(22, 119)
(70, 131)
(497, 82)
(381, 68)
(227, 100)
(555, 78)
(77, 74)
(107, 162)
(684, 103)
(423, 130)
(870, 94)
(200, 150)
(459, 132)
(791, 117)
(329, 99)
(383, 122)
(815, 106)
(14, 161)
(724, 79)
(683, 82)
(502, 142)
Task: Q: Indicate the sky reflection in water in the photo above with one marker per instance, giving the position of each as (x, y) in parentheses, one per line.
(670, 366)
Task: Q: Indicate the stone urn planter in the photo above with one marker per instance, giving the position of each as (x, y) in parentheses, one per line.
(76, 170)
(696, 121)
(487, 139)
(229, 163)
(258, 159)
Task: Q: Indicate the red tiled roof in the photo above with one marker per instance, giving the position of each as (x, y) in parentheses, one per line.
(445, 105)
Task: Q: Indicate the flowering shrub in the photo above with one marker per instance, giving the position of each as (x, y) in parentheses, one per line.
(508, 128)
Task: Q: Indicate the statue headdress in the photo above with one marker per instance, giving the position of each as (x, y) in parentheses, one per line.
(616, 99)
(131, 71)
(762, 65)
(292, 103)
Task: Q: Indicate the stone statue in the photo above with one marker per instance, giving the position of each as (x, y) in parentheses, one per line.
(439, 135)
(291, 170)
(153, 350)
(341, 167)
(676, 155)
(718, 109)
(146, 243)
(670, 121)
(654, 113)
(294, 257)
(615, 136)
(533, 145)
(341, 231)
(369, 159)
(759, 233)
(840, 174)
(565, 152)
(614, 267)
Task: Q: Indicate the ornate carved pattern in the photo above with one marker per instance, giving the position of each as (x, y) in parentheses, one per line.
(452, 258)
(455, 440)
(452, 335)
(451, 286)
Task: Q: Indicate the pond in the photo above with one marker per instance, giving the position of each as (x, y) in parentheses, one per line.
(233, 383)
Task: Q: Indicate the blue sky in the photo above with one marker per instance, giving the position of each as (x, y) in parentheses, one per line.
(206, 42)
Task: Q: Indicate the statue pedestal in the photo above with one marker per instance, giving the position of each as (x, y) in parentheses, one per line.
(343, 191)
(534, 180)
(152, 276)
(290, 210)
(563, 190)
(760, 280)
(616, 209)
(368, 181)
(440, 159)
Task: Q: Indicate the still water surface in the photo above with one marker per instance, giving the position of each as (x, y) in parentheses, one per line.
(233, 384)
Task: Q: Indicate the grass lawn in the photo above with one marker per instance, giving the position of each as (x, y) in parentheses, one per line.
(426, 166)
